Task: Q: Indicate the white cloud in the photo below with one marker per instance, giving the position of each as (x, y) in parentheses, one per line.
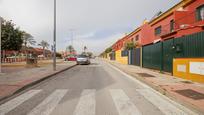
(89, 17)
(97, 45)
(87, 35)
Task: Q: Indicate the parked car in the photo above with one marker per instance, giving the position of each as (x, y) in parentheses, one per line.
(83, 59)
(70, 58)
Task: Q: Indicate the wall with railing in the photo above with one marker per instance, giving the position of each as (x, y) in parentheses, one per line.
(183, 20)
(12, 60)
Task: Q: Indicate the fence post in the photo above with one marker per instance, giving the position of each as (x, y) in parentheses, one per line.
(162, 62)
(141, 57)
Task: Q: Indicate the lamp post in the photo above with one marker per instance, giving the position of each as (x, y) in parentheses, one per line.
(54, 40)
(1, 19)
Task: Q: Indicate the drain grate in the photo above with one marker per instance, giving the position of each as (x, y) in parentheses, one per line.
(191, 94)
(145, 75)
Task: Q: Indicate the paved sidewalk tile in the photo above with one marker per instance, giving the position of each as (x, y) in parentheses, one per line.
(186, 92)
(12, 82)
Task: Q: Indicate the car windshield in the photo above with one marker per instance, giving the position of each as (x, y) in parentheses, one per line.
(82, 56)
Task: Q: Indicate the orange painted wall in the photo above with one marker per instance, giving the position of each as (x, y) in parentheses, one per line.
(184, 72)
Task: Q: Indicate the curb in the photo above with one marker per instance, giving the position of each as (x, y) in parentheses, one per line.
(163, 92)
(34, 83)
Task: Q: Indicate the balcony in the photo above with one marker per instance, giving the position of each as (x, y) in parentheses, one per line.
(183, 20)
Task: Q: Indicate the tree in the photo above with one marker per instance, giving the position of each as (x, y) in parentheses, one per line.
(12, 38)
(70, 49)
(28, 39)
(90, 54)
(59, 55)
(44, 45)
(130, 46)
(108, 50)
(85, 48)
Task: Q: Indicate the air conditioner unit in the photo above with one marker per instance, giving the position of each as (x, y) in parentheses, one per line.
(184, 26)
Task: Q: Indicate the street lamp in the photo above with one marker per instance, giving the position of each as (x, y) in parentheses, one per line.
(54, 40)
(1, 19)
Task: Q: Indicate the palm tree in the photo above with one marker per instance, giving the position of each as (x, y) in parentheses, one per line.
(70, 49)
(27, 39)
(44, 45)
(85, 48)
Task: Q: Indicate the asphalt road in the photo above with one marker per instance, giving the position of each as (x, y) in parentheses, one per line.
(96, 89)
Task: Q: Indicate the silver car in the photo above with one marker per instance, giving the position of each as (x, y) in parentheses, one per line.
(83, 59)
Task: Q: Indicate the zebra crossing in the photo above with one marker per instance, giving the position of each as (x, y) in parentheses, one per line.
(87, 102)
(49, 104)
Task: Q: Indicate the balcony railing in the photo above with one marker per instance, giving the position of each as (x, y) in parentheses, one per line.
(186, 20)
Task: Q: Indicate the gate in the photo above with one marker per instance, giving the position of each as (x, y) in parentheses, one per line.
(112, 55)
(152, 56)
(135, 56)
(191, 46)
(168, 47)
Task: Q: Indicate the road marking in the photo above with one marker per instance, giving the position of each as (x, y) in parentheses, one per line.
(177, 105)
(49, 104)
(12, 104)
(87, 103)
(123, 103)
(166, 107)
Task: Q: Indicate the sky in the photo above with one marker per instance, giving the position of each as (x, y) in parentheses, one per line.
(96, 24)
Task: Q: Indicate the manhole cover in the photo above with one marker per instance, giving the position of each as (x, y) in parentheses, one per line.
(145, 75)
(191, 94)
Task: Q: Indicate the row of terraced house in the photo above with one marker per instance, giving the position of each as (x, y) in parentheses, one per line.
(172, 42)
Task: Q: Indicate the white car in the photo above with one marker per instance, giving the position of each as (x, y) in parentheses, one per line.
(83, 59)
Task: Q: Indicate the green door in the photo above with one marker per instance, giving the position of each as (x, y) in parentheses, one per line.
(168, 52)
(151, 56)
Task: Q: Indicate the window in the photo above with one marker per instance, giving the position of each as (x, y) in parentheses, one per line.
(200, 13)
(137, 38)
(171, 25)
(124, 53)
(158, 30)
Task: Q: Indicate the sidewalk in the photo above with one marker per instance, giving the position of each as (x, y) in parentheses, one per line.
(13, 82)
(22, 64)
(187, 93)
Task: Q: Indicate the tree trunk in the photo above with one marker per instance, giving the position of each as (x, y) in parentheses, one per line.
(44, 52)
(26, 53)
(3, 55)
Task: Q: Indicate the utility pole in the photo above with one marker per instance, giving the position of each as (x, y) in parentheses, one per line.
(54, 40)
(1, 20)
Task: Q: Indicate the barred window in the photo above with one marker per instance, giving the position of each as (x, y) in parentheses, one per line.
(200, 13)
(158, 30)
(124, 53)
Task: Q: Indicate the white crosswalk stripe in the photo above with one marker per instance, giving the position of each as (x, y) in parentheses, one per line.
(123, 103)
(49, 104)
(12, 104)
(166, 107)
(86, 104)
